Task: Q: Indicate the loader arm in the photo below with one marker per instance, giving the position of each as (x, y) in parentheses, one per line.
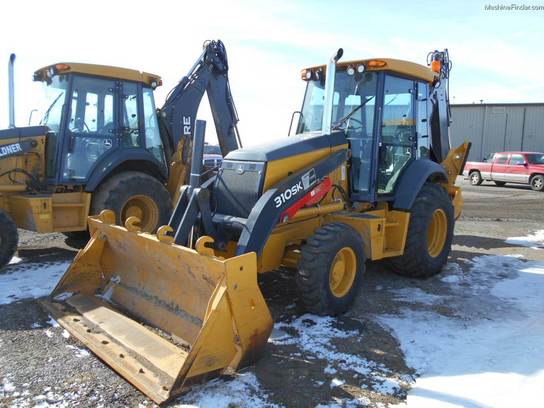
(178, 115)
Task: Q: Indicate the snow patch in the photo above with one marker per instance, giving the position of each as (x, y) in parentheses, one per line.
(244, 391)
(475, 363)
(15, 260)
(29, 280)
(61, 297)
(52, 322)
(6, 386)
(65, 334)
(416, 295)
(533, 241)
(80, 353)
(335, 382)
(315, 337)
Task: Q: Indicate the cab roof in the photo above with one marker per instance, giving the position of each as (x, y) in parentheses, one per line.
(105, 71)
(402, 67)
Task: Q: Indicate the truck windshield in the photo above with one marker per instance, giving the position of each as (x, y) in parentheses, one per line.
(212, 149)
(353, 102)
(54, 94)
(535, 158)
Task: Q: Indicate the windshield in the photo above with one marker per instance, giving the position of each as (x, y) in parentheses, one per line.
(537, 158)
(353, 103)
(55, 93)
(212, 149)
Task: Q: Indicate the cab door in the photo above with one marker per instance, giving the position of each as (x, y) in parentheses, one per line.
(517, 170)
(499, 167)
(92, 127)
(397, 139)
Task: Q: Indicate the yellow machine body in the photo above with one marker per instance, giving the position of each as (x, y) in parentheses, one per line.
(44, 212)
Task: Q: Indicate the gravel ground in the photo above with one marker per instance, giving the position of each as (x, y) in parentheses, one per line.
(358, 362)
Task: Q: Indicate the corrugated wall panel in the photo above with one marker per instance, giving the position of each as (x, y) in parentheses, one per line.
(493, 128)
(467, 124)
(533, 137)
(514, 127)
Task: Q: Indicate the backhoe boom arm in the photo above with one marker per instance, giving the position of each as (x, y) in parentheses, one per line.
(209, 74)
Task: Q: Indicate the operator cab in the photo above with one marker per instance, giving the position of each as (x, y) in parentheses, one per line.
(99, 117)
(381, 105)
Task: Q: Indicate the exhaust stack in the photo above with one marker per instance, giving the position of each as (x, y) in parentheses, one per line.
(11, 95)
(329, 92)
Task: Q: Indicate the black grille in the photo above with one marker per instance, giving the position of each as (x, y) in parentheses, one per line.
(238, 187)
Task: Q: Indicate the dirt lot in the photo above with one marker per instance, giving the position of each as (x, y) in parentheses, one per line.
(359, 359)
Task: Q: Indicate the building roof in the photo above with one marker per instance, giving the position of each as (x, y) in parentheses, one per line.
(394, 65)
(98, 70)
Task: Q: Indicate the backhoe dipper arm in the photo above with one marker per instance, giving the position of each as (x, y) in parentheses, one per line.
(178, 114)
(440, 116)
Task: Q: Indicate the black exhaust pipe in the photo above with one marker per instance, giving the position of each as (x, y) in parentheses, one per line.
(11, 95)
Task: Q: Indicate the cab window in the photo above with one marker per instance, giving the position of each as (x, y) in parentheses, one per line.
(130, 133)
(153, 142)
(422, 127)
(501, 159)
(517, 159)
(398, 128)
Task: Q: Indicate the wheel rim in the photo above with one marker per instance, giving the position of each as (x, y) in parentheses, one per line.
(144, 208)
(342, 272)
(537, 183)
(437, 232)
(474, 178)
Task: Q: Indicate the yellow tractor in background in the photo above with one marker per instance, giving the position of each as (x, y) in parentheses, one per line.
(369, 176)
(102, 145)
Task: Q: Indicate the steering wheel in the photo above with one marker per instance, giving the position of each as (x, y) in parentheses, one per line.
(86, 127)
(357, 121)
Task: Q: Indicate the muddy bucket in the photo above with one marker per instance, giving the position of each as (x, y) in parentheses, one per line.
(163, 316)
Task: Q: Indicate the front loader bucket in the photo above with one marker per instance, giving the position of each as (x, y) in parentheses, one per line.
(163, 316)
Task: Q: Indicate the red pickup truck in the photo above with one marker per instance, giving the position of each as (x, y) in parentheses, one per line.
(508, 167)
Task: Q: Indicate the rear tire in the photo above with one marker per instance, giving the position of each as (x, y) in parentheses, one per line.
(500, 183)
(430, 234)
(475, 178)
(537, 182)
(133, 193)
(330, 269)
(9, 238)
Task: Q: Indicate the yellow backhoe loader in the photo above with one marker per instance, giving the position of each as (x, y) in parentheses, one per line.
(101, 145)
(369, 176)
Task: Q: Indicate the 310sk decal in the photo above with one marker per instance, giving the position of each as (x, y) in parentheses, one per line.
(307, 180)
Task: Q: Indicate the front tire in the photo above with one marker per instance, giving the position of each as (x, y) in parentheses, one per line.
(9, 238)
(537, 182)
(330, 269)
(430, 233)
(133, 193)
(475, 178)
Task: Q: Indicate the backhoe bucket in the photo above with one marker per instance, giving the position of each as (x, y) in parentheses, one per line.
(163, 316)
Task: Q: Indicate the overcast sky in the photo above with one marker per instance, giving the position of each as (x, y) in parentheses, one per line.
(497, 55)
